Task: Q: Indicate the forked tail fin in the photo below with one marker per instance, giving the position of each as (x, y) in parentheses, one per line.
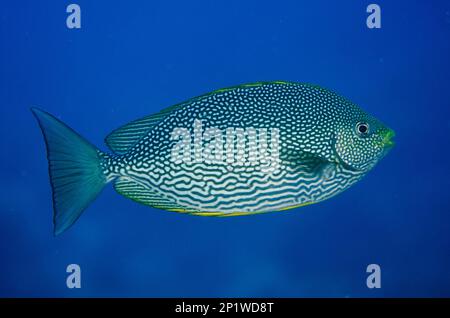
(74, 167)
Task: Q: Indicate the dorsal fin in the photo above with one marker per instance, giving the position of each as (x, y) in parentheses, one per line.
(123, 138)
(126, 136)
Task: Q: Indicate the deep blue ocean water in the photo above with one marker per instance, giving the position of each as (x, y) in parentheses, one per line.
(133, 58)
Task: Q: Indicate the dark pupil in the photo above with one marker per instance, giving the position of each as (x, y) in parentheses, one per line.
(362, 128)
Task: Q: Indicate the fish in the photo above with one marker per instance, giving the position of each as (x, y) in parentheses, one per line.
(243, 150)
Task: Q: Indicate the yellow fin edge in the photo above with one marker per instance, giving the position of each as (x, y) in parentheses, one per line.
(227, 214)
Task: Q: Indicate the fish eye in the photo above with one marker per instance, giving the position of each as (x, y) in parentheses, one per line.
(362, 128)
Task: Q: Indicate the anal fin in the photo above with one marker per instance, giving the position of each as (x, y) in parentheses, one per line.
(138, 192)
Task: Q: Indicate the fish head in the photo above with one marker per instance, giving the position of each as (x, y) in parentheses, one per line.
(362, 141)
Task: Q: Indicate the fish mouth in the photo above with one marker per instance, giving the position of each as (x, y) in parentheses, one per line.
(387, 139)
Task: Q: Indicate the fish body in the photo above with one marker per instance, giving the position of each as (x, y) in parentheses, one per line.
(247, 149)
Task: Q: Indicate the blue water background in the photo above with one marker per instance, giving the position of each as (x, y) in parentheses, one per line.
(133, 58)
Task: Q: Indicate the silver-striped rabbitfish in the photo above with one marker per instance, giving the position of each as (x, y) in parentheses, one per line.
(252, 148)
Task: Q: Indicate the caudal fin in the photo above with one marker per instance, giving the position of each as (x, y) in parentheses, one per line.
(74, 167)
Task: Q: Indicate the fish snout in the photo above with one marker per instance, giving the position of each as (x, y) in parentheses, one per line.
(388, 136)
